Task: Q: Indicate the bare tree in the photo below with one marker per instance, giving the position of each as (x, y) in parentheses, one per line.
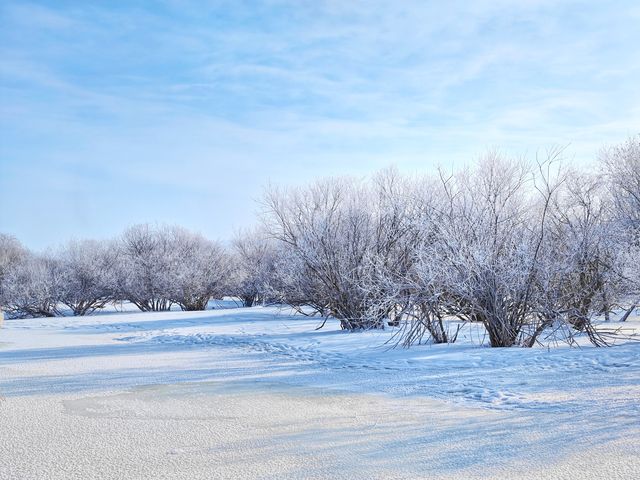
(142, 272)
(199, 269)
(488, 252)
(620, 166)
(428, 301)
(254, 262)
(87, 275)
(12, 254)
(162, 266)
(337, 232)
(581, 248)
(31, 288)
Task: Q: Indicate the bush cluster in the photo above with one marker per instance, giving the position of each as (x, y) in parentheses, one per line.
(521, 247)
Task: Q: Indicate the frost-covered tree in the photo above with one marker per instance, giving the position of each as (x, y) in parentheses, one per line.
(620, 166)
(12, 253)
(487, 252)
(199, 269)
(390, 281)
(87, 275)
(325, 255)
(421, 287)
(161, 266)
(142, 271)
(337, 232)
(31, 288)
(254, 264)
(582, 250)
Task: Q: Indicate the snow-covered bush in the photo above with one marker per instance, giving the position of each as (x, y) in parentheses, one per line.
(142, 270)
(12, 253)
(582, 249)
(31, 287)
(87, 275)
(161, 266)
(620, 167)
(336, 232)
(199, 269)
(421, 287)
(253, 267)
(326, 257)
(486, 248)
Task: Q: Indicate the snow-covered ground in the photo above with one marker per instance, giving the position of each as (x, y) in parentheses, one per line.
(260, 393)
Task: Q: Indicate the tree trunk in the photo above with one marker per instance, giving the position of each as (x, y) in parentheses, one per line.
(628, 312)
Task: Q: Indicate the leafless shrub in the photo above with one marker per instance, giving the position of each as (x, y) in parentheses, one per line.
(30, 289)
(254, 267)
(87, 275)
(337, 232)
(161, 266)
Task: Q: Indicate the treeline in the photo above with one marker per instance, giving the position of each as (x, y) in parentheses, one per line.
(528, 249)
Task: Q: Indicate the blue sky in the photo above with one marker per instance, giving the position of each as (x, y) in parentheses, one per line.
(180, 112)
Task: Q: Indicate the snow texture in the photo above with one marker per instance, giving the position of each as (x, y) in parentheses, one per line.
(288, 400)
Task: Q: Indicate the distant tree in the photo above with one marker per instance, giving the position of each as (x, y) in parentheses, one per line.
(620, 166)
(87, 275)
(161, 266)
(254, 263)
(142, 271)
(12, 254)
(199, 269)
(31, 288)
